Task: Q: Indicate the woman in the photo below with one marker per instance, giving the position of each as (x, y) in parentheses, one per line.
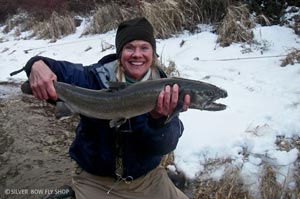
(118, 162)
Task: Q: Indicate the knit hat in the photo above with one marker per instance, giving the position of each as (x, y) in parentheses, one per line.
(134, 29)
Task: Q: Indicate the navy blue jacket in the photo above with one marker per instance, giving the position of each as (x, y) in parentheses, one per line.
(143, 140)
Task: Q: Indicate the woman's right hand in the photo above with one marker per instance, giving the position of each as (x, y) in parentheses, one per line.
(41, 81)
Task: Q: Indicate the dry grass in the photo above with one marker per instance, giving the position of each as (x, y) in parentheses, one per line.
(297, 176)
(172, 16)
(291, 58)
(21, 22)
(263, 19)
(211, 11)
(107, 17)
(230, 186)
(167, 16)
(171, 70)
(168, 159)
(288, 143)
(236, 26)
(56, 27)
(270, 188)
(291, 18)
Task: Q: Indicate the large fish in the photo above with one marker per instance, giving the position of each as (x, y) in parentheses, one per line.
(121, 102)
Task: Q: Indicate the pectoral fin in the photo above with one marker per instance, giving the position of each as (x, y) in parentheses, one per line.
(178, 108)
(62, 110)
(175, 113)
(26, 89)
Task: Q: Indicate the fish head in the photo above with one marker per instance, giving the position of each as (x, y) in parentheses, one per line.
(205, 98)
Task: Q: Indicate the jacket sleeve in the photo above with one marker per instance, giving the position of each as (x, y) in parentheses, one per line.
(158, 138)
(65, 71)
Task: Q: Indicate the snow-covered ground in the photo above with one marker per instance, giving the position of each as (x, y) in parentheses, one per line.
(263, 98)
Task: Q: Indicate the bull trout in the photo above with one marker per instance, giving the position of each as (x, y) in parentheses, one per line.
(121, 102)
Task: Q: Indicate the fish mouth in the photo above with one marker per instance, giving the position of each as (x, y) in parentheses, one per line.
(211, 105)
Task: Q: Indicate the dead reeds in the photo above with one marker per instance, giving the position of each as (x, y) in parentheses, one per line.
(56, 27)
(167, 16)
(268, 181)
(270, 188)
(107, 17)
(172, 16)
(19, 23)
(236, 26)
(171, 70)
(230, 186)
(291, 58)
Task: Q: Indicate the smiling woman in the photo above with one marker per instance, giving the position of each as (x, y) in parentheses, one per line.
(124, 160)
(136, 58)
(136, 48)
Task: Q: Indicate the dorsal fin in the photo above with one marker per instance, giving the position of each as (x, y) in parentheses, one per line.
(115, 86)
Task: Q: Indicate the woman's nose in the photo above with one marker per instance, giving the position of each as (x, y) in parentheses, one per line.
(137, 52)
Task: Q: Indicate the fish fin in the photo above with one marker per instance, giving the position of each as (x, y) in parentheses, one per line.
(178, 108)
(117, 122)
(26, 88)
(175, 113)
(115, 86)
(62, 110)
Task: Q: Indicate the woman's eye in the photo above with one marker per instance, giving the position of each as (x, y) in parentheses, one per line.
(128, 47)
(145, 48)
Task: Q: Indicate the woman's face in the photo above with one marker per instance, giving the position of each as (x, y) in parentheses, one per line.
(136, 58)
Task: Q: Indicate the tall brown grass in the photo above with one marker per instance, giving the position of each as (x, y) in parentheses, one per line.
(292, 57)
(231, 185)
(22, 21)
(56, 27)
(167, 16)
(236, 26)
(107, 17)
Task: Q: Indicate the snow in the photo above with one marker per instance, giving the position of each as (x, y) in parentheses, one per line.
(263, 98)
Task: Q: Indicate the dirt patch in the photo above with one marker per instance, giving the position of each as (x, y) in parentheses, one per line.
(33, 145)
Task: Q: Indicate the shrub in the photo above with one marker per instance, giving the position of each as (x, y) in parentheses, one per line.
(167, 16)
(106, 18)
(236, 26)
(22, 20)
(56, 27)
(291, 58)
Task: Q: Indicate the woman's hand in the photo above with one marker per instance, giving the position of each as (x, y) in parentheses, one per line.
(167, 102)
(41, 81)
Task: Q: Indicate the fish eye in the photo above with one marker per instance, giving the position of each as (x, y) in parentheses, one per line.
(209, 93)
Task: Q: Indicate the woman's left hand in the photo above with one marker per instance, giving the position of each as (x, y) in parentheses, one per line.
(167, 102)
